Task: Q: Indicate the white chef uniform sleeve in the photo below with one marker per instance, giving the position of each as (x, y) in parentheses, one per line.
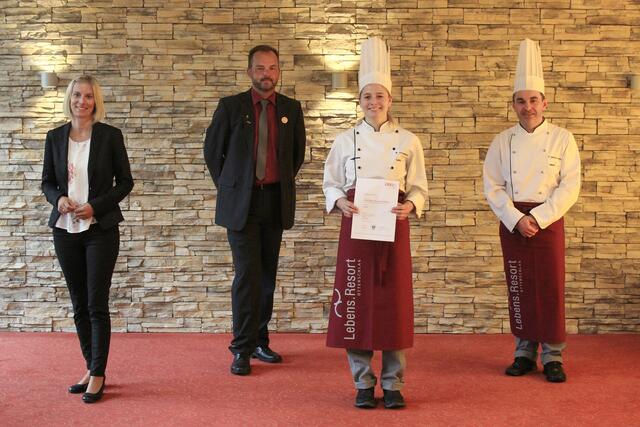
(416, 181)
(495, 188)
(334, 178)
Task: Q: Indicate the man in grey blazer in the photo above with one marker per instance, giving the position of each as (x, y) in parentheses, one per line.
(254, 147)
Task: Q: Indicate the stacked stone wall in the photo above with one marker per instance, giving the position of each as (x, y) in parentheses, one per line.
(164, 65)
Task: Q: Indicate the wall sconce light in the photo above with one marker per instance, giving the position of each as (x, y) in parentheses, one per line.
(339, 80)
(48, 80)
(634, 82)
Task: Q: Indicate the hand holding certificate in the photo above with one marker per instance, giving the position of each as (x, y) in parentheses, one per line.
(375, 198)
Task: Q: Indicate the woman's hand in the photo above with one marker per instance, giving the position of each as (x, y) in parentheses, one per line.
(402, 210)
(66, 205)
(347, 207)
(83, 212)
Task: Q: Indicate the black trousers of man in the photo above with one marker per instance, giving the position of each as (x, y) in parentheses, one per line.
(255, 251)
(87, 260)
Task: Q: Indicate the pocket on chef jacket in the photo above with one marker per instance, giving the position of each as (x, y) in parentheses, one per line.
(553, 164)
(400, 164)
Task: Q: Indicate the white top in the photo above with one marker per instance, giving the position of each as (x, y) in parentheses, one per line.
(78, 184)
(542, 167)
(392, 153)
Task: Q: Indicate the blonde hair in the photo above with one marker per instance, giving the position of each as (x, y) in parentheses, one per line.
(98, 109)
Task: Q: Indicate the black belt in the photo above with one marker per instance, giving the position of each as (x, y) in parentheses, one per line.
(272, 186)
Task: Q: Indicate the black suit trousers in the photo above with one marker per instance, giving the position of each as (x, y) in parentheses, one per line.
(255, 251)
(87, 260)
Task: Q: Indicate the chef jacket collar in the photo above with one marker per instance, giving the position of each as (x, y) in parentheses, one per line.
(386, 127)
(542, 128)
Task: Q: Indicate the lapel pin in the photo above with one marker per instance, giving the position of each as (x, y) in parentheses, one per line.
(284, 120)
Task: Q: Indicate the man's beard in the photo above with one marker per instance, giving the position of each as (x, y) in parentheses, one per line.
(264, 84)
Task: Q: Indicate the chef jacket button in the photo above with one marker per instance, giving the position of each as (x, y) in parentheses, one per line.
(396, 130)
(357, 133)
(539, 192)
(359, 167)
(544, 150)
(391, 167)
(515, 171)
(541, 171)
(516, 192)
(359, 149)
(514, 152)
(394, 148)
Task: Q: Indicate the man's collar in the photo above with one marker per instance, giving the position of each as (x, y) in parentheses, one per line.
(256, 97)
(542, 127)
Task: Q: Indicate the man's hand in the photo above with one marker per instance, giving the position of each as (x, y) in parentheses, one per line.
(528, 226)
(347, 207)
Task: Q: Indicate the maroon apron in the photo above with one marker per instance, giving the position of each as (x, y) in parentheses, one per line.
(372, 304)
(534, 269)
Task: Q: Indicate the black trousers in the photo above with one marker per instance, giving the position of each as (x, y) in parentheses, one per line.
(87, 260)
(255, 251)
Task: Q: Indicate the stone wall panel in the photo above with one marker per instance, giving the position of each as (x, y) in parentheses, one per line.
(164, 65)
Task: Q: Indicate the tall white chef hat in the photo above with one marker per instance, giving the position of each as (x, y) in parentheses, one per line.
(375, 64)
(529, 68)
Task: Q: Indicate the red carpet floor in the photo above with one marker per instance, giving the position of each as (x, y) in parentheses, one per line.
(184, 379)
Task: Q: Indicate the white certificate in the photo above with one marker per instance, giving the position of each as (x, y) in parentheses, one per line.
(374, 199)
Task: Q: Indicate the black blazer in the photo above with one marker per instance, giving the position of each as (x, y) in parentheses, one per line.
(228, 152)
(107, 160)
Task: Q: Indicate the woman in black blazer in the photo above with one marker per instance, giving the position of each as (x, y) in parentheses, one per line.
(82, 158)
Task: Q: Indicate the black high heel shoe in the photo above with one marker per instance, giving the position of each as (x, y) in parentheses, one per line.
(94, 397)
(78, 388)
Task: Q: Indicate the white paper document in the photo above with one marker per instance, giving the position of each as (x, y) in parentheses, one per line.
(374, 199)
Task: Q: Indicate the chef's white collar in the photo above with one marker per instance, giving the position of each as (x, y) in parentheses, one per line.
(386, 127)
(542, 128)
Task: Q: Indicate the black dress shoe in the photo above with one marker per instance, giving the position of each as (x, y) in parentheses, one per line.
(393, 399)
(365, 398)
(94, 397)
(521, 366)
(78, 388)
(554, 372)
(240, 364)
(265, 354)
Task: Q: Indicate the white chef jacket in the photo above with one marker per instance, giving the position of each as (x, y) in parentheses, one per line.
(393, 153)
(78, 185)
(542, 167)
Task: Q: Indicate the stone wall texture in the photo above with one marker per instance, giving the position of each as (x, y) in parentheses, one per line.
(164, 65)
